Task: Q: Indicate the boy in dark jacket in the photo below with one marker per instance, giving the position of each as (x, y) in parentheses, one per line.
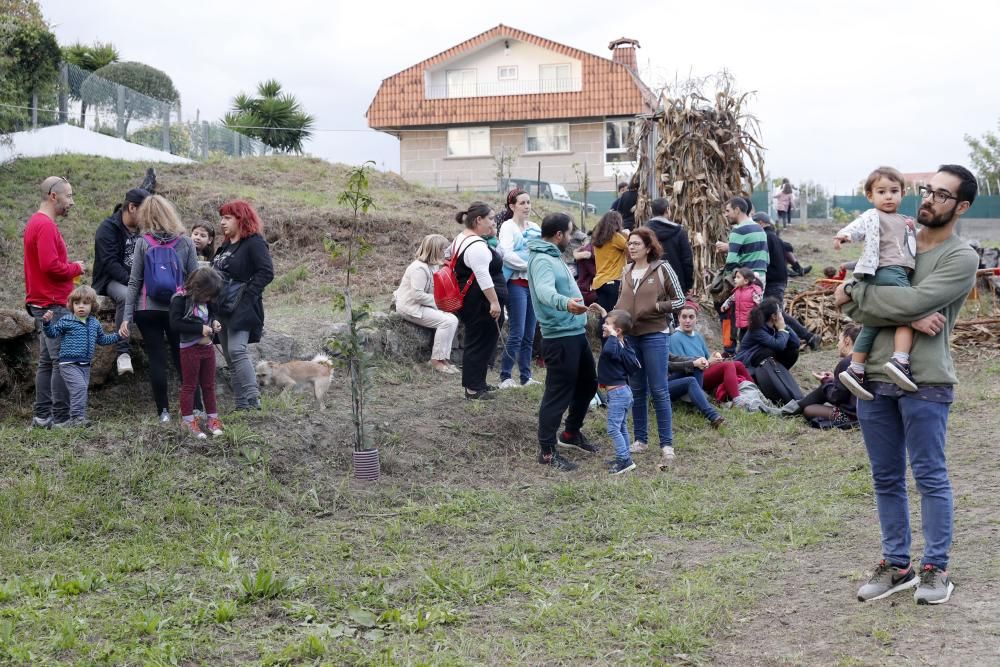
(114, 246)
(80, 332)
(617, 361)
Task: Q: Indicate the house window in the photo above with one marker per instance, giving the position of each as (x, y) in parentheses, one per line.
(507, 73)
(461, 82)
(616, 133)
(468, 141)
(554, 78)
(552, 138)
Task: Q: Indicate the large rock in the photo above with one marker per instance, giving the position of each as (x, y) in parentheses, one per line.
(15, 323)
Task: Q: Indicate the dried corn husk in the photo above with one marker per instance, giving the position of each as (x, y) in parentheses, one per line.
(708, 151)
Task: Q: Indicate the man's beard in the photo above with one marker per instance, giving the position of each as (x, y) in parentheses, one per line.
(926, 217)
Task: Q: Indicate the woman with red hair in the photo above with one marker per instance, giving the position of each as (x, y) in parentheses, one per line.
(245, 259)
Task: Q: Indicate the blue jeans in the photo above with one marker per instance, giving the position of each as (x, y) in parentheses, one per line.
(51, 395)
(651, 380)
(894, 428)
(521, 333)
(619, 403)
(691, 386)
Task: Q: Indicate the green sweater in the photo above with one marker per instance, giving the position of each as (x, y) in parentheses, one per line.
(943, 277)
(552, 286)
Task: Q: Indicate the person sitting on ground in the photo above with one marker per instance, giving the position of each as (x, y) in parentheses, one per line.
(747, 293)
(414, 299)
(203, 235)
(722, 377)
(683, 384)
(777, 278)
(768, 336)
(617, 362)
(79, 331)
(888, 259)
(114, 245)
(831, 404)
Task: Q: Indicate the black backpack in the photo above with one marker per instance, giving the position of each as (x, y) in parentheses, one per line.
(776, 382)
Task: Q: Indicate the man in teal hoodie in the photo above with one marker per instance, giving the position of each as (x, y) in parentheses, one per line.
(571, 378)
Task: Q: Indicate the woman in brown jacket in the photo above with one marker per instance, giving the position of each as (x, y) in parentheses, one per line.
(650, 292)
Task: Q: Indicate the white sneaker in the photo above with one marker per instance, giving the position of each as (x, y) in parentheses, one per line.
(667, 457)
(509, 384)
(165, 417)
(637, 447)
(124, 363)
(530, 382)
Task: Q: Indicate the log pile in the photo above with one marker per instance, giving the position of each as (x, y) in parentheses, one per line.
(815, 310)
(708, 151)
(978, 333)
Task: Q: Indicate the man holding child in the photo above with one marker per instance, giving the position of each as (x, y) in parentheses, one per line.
(899, 425)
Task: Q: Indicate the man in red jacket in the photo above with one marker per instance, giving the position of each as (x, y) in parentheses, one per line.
(48, 280)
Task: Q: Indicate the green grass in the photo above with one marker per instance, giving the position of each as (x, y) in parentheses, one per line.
(145, 553)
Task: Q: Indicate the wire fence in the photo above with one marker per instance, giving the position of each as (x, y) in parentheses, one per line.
(106, 107)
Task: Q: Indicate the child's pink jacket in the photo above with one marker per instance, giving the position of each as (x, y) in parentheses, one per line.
(743, 299)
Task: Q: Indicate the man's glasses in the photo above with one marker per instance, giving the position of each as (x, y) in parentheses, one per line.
(54, 184)
(940, 196)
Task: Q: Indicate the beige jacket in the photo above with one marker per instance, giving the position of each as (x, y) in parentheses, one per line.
(416, 289)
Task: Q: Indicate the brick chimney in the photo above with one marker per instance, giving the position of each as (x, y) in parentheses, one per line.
(623, 51)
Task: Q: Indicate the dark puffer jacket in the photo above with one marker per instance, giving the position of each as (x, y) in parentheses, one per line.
(248, 261)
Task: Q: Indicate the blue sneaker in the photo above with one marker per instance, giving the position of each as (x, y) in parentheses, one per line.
(620, 466)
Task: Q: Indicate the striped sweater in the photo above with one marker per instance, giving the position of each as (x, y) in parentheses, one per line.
(79, 338)
(748, 248)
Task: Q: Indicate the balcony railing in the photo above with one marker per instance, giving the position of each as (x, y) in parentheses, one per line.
(498, 88)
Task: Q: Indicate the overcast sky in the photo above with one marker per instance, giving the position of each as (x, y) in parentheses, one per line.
(841, 87)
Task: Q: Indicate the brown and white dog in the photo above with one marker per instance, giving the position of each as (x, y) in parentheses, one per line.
(318, 372)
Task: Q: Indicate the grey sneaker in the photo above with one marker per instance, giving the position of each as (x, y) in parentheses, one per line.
(164, 417)
(886, 580)
(124, 363)
(935, 586)
(855, 384)
(38, 422)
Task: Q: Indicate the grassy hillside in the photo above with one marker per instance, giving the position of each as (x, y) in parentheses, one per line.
(296, 198)
(126, 544)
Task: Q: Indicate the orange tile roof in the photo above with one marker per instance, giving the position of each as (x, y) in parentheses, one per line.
(609, 89)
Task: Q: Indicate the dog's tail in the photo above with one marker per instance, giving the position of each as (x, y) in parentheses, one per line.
(322, 359)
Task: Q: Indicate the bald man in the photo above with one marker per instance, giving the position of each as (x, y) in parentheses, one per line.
(48, 280)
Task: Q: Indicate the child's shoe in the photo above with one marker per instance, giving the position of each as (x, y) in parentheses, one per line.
(638, 447)
(191, 428)
(214, 426)
(900, 374)
(619, 466)
(855, 384)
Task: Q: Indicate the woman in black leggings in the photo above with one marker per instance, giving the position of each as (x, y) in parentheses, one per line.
(482, 306)
(161, 230)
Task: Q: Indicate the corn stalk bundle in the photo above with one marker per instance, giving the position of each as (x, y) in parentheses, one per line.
(708, 151)
(977, 333)
(815, 310)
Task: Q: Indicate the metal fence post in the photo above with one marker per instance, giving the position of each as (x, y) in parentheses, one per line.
(63, 93)
(34, 110)
(236, 144)
(120, 108)
(166, 126)
(804, 206)
(204, 142)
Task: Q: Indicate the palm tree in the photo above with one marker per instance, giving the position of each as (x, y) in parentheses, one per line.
(275, 118)
(90, 59)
